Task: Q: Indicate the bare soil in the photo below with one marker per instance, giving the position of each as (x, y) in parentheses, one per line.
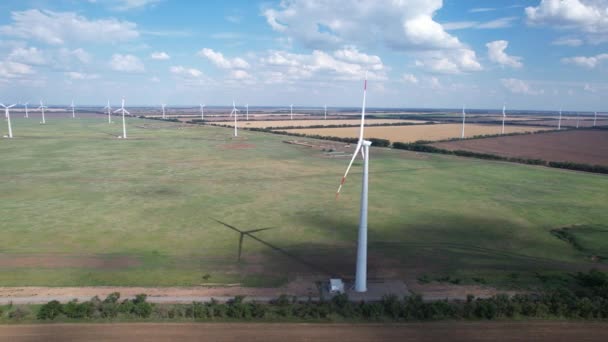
(587, 147)
(430, 331)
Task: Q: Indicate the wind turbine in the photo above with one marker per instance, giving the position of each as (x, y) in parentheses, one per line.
(578, 115)
(325, 112)
(163, 105)
(559, 123)
(27, 115)
(247, 106)
(8, 118)
(464, 118)
(42, 107)
(109, 112)
(202, 111)
(291, 110)
(124, 125)
(594, 119)
(504, 116)
(235, 112)
(73, 112)
(363, 146)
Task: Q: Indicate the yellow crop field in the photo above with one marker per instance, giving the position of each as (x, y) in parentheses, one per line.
(417, 132)
(307, 123)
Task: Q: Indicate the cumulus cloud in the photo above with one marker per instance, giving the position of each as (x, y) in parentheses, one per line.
(13, 70)
(185, 72)
(218, 59)
(79, 76)
(27, 55)
(493, 24)
(126, 63)
(161, 56)
(450, 62)
(125, 5)
(57, 28)
(497, 54)
(398, 25)
(409, 78)
(517, 86)
(568, 41)
(587, 62)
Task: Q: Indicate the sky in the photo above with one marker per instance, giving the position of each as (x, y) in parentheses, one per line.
(527, 54)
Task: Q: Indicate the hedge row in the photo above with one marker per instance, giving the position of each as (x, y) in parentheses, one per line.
(587, 299)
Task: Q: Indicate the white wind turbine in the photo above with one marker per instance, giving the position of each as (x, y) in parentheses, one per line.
(42, 107)
(163, 105)
(504, 116)
(363, 146)
(124, 125)
(559, 123)
(594, 119)
(8, 118)
(235, 112)
(464, 118)
(202, 111)
(27, 115)
(578, 117)
(325, 112)
(109, 112)
(73, 112)
(247, 106)
(291, 110)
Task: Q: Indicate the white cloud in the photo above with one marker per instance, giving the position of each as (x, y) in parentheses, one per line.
(185, 72)
(79, 54)
(14, 69)
(568, 41)
(161, 56)
(57, 28)
(126, 63)
(587, 62)
(235, 19)
(31, 55)
(517, 86)
(409, 78)
(587, 16)
(125, 5)
(482, 9)
(493, 24)
(398, 25)
(79, 76)
(497, 54)
(239, 75)
(450, 62)
(218, 59)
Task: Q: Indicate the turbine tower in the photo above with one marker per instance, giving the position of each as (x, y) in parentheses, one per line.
(291, 110)
(363, 146)
(578, 117)
(559, 123)
(163, 105)
(109, 112)
(124, 125)
(325, 112)
(202, 111)
(235, 112)
(8, 118)
(464, 118)
(594, 119)
(247, 106)
(27, 115)
(42, 107)
(73, 112)
(504, 116)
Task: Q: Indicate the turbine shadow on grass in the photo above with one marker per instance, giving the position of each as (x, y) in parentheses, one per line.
(249, 233)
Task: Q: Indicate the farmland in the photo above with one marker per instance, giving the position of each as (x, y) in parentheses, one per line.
(82, 208)
(586, 147)
(417, 132)
(304, 123)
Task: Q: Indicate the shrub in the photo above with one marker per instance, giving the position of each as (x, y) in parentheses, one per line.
(18, 313)
(50, 310)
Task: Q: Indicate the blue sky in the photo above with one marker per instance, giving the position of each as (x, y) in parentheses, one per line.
(529, 54)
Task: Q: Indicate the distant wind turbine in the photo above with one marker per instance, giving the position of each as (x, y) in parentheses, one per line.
(109, 112)
(247, 106)
(8, 118)
(124, 125)
(504, 116)
(464, 118)
(27, 115)
(559, 123)
(163, 105)
(594, 119)
(42, 107)
(325, 112)
(578, 116)
(73, 111)
(202, 111)
(235, 112)
(291, 111)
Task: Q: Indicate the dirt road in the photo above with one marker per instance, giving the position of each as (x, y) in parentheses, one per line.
(442, 331)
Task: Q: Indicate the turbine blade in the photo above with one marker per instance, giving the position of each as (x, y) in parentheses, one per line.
(126, 111)
(11, 106)
(116, 111)
(256, 230)
(227, 225)
(348, 168)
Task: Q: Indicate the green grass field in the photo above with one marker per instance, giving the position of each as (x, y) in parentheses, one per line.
(80, 207)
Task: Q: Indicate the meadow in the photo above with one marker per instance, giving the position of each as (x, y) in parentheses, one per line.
(80, 207)
(409, 134)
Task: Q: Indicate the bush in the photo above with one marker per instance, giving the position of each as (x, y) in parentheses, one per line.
(18, 313)
(50, 310)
